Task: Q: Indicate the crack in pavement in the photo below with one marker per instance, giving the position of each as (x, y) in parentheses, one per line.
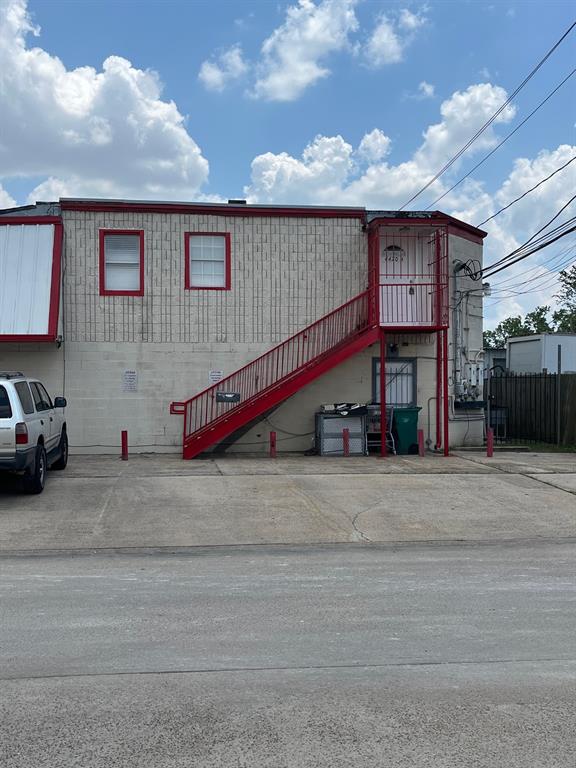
(297, 667)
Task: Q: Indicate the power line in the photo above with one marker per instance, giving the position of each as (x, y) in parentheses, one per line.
(535, 275)
(535, 248)
(489, 122)
(528, 190)
(504, 140)
(511, 258)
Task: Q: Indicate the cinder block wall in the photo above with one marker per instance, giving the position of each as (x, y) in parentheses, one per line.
(285, 274)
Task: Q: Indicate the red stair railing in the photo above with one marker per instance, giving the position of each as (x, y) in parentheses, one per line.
(277, 365)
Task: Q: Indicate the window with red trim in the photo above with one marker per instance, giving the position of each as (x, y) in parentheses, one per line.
(121, 262)
(207, 260)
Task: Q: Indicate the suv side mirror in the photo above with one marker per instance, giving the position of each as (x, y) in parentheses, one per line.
(59, 402)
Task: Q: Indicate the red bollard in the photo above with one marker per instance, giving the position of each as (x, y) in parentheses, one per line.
(490, 442)
(346, 441)
(420, 442)
(124, 445)
(272, 445)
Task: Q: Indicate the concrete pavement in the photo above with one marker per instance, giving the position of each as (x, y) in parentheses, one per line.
(444, 656)
(238, 612)
(152, 501)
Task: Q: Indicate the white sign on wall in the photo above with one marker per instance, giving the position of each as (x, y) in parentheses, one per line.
(215, 376)
(130, 381)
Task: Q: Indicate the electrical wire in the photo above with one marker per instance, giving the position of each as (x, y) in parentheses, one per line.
(544, 241)
(538, 283)
(539, 279)
(519, 253)
(497, 147)
(535, 249)
(542, 181)
(553, 263)
(489, 122)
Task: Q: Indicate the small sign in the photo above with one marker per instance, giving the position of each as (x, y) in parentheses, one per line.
(227, 397)
(130, 381)
(215, 376)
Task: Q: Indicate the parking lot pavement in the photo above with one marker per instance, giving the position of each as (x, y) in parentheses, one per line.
(162, 501)
(524, 462)
(294, 657)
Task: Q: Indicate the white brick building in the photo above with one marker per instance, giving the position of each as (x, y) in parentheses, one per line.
(183, 293)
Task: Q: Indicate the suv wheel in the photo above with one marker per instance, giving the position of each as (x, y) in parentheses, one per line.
(63, 448)
(34, 480)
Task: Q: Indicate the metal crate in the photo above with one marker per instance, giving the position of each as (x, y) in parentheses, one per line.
(329, 438)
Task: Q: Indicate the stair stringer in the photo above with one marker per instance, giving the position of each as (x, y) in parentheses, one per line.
(217, 431)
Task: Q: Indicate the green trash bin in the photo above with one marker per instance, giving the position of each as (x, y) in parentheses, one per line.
(406, 429)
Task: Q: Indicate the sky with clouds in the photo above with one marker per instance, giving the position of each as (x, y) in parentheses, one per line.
(335, 102)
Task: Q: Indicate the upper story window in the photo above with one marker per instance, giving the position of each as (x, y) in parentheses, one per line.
(121, 262)
(207, 260)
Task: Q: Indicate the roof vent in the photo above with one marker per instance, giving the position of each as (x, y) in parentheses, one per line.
(236, 202)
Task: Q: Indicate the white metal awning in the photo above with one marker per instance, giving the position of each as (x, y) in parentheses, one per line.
(30, 257)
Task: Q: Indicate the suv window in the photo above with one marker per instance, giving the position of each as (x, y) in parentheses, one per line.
(41, 397)
(24, 396)
(5, 407)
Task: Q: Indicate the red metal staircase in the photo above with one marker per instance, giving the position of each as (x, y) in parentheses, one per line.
(277, 374)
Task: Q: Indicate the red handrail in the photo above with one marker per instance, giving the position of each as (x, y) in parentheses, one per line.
(277, 365)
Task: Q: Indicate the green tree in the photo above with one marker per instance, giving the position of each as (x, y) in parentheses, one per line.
(566, 315)
(511, 326)
(537, 321)
(563, 319)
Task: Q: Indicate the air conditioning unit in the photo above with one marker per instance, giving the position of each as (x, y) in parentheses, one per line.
(329, 435)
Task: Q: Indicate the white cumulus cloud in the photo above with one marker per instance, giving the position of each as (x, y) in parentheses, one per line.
(391, 36)
(381, 184)
(293, 57)
(89, 132)
(216, 74)
(426, 90)
(374, 146)
(6, 200)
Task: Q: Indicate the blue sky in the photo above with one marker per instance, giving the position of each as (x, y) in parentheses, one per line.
(317, 101)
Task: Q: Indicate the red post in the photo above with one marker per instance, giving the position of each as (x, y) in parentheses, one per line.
(489, 442)
(438, 390)
(420, 442)
(445, 388)
(272, 445)
(124, 445)
(346, 441)
(383, 445)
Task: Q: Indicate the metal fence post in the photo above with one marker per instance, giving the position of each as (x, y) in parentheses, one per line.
(558, 393)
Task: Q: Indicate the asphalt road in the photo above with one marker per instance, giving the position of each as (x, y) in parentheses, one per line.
(413, 655)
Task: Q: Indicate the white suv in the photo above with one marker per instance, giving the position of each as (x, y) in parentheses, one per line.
(32, 430)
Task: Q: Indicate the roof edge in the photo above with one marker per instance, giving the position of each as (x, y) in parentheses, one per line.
(226, 209)
(424, 217)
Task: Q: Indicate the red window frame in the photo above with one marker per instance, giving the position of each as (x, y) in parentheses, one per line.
(227, 262)
(103, 290)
